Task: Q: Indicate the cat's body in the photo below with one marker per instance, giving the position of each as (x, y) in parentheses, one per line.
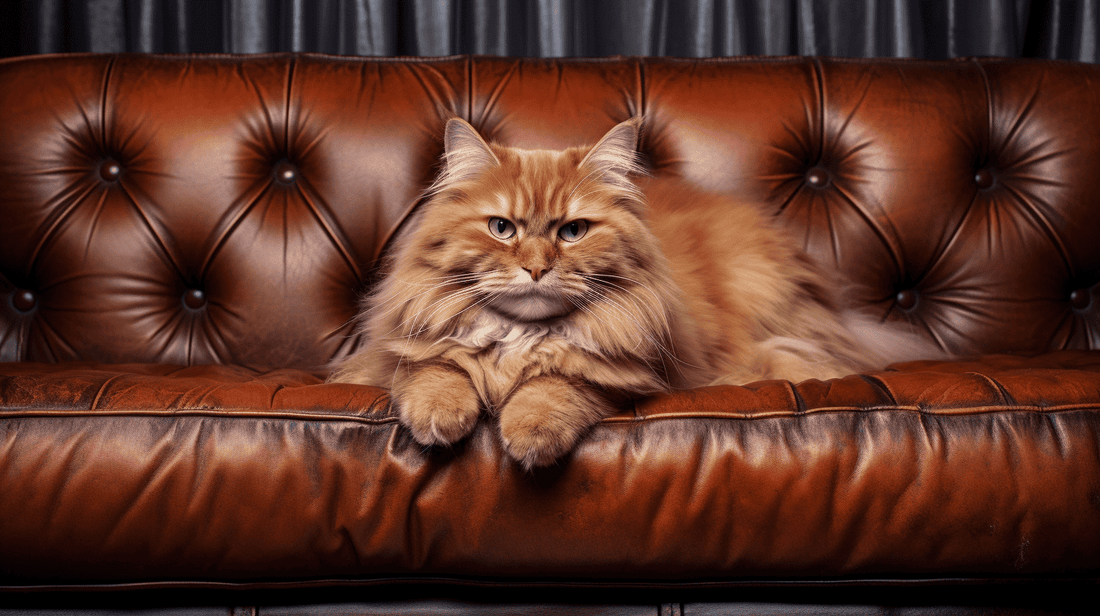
(548, 286)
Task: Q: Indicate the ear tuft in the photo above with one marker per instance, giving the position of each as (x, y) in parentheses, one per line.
(615, 156)
(466, 155)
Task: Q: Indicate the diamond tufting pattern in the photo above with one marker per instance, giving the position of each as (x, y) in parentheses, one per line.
(263, 195)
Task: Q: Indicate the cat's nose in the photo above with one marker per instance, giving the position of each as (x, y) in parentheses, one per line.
(537, 271)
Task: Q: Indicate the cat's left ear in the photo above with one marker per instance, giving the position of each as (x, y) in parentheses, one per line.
(615, 156)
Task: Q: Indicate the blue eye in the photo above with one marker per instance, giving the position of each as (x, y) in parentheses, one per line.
(501, 228)
(573, 231)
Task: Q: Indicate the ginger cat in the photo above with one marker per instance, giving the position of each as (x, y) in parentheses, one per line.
(547, 287)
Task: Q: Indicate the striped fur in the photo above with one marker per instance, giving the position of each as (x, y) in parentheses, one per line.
(546, 287)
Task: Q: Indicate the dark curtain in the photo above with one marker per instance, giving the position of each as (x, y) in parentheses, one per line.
(1067, 29)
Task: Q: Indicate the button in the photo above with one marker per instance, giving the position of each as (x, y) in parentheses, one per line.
(983, 178)
(285, 173)
(110, 170)
(24, 300)
(194, 299)
(1080, 299)
(906, 299)
(817, 177)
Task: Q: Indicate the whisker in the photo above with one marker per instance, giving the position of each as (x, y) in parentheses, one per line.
(400, 301)
(654, 340)
(627, 314)
(403, 356)
(599, 279)
(660, 301)
(416, 317)
(440, 304)
(663, 352)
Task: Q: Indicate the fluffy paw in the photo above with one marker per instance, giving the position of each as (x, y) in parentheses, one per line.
(544, 419)
(437, 404)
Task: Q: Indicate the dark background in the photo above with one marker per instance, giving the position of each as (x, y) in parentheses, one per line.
(1067, 29)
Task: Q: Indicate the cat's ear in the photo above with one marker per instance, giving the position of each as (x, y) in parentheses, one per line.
(615, 156)
(466, 154)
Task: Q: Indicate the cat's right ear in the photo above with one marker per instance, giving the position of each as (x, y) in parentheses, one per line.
(466, 154)
(615, 156)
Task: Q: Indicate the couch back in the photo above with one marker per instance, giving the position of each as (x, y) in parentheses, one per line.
(232, 209)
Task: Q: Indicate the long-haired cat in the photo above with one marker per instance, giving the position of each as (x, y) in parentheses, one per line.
(546, 287)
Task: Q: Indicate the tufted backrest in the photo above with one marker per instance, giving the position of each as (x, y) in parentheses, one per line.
(231, 209)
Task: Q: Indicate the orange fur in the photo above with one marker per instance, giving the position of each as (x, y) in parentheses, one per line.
(544, 286)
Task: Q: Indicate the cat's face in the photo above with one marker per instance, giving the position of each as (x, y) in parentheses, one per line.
(535, 235)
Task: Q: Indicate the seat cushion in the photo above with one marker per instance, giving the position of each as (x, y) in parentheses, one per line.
(212, 475)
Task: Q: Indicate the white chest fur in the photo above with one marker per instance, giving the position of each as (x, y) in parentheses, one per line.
(508, 337)
(499, 353)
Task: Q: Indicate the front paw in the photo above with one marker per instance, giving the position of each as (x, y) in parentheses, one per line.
(545, 418)
(437, 404)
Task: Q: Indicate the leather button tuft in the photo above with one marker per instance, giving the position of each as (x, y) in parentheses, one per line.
(906, 299)
(984, 178)
(285, 173)
(194, 299)
(24, 300)
(1080, 299)
(110, 170)
(817, 177)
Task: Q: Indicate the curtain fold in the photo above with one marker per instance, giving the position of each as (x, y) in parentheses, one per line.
(1066, 29)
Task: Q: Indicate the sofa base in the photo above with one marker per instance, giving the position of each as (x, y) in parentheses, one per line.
(865, 598)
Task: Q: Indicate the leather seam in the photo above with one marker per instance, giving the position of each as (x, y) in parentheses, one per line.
(238, 413)
(226, 414)
(860, 410)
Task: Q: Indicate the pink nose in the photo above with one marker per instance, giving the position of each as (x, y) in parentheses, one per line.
(536, 272)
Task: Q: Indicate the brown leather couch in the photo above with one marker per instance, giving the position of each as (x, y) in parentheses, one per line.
(183, 241)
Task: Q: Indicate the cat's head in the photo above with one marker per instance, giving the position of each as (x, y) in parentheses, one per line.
(536, 235)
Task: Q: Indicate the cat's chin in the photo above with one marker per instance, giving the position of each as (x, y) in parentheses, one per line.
(531, 308)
